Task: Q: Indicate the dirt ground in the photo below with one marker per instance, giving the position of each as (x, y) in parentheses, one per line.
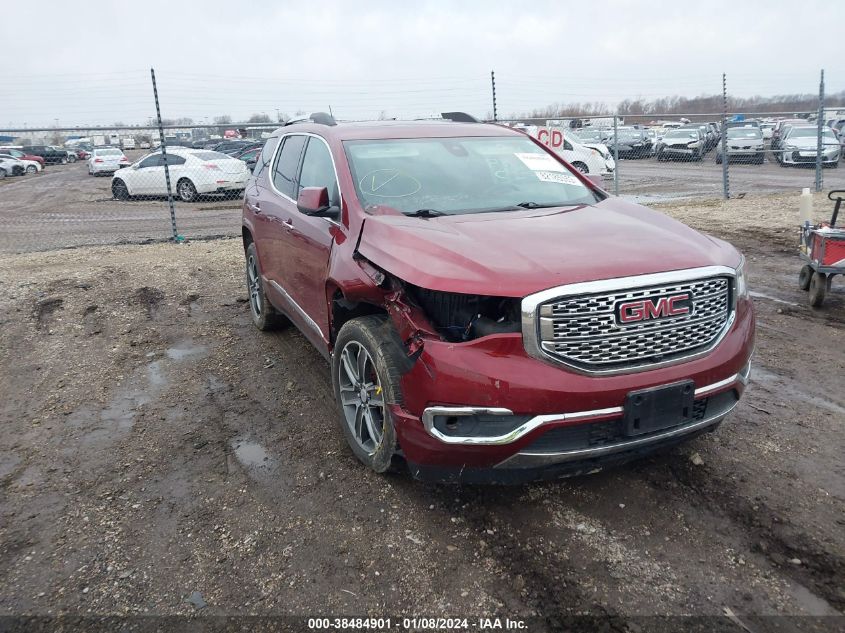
(154, 444)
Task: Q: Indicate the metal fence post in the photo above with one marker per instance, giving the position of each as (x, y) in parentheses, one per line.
(493, 86)
(164, 157)
(726, 185)
(616, 154)
(819, 144)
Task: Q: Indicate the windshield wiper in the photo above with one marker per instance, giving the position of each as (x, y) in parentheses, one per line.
(425, 213)
(537, 205)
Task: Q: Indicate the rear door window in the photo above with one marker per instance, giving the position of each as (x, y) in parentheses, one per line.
(266, 156)
(284, 176)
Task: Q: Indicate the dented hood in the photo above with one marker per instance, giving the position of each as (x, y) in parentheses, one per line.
(513, 254)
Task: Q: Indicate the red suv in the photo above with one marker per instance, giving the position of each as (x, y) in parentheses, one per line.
(490, 314)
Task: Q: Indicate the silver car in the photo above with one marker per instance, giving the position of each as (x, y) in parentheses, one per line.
(744, 144)
(800, 146)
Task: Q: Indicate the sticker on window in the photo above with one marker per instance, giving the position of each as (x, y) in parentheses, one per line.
(540, 162)
(547, 169)
(557, 176)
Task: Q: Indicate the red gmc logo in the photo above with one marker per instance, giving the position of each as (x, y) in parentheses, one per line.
(646, 309)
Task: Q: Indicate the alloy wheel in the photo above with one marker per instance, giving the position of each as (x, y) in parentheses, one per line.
(361, 396)
(256, 303)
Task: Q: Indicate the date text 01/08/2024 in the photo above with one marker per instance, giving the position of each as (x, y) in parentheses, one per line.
(417, 624)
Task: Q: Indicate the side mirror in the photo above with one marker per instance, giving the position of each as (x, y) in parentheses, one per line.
(315, 201)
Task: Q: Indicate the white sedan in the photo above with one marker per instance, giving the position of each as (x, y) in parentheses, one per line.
(11, 166)
(193, 172)
(29, 166)
(106, 160)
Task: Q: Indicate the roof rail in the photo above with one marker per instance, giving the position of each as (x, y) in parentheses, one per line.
(320, 118)
(459, 117)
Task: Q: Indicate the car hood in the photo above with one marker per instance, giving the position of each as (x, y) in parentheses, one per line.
(803, 142)
(513, 254)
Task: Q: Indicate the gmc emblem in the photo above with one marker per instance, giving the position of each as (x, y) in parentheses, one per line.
(657, 308)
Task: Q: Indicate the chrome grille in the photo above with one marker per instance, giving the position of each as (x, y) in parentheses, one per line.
(583, 330)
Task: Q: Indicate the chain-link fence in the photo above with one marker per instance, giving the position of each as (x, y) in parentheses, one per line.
(174, 178)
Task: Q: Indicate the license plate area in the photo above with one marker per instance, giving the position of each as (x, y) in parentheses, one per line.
(657, 408)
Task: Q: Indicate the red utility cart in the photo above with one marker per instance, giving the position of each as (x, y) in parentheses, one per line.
(823, 249)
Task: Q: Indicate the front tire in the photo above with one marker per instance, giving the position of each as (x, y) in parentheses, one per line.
(31, 169)
(582, 167)
(119, 190)
(818, 288)
(264, 315)
(186, 190)
(366, 381)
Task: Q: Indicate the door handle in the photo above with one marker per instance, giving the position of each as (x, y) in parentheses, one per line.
(287, 223)
(254, 207)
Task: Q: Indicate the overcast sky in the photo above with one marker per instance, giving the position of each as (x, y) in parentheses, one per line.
(88, 62)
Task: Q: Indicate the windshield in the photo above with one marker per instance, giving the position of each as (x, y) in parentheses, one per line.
(589, 136)
(684, 134)
(629, 135)
(461, 175)
(108, 152)
(211, 155)
(808, 132)
(744, 132)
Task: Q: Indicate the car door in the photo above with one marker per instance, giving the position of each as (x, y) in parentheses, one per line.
(274, 206)
(310, 238)
(141, 179)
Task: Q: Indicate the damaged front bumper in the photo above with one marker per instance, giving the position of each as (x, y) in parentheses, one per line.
(485, 411)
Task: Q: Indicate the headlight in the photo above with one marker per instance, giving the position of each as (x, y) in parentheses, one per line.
(790, 147)
(741, 280)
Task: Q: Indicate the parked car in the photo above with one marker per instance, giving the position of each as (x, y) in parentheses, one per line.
(21, 155)
(632, 143)
(231, 147)
(744, 144)
(249, 156)
(144, 145)
(51, 155)
(800, 146)
(767, 129)
(106, 160)
(452, 275)
(781, 127)
(681, 143)
(29, 166)
(12, 166)
(82, 154)
(193, 172)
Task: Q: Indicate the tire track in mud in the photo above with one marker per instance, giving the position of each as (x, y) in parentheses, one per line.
(769, 534)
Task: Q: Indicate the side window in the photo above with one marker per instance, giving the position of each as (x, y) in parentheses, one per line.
(284, 176)
(318, 169)
(150, 161)
(172, 160)
(567, 145)
(266, 156)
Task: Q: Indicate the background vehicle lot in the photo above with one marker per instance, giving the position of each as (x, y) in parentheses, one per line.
(163, 446)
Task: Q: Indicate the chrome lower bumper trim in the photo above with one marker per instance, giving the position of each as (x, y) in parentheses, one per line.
(539, 420)
(533, 460)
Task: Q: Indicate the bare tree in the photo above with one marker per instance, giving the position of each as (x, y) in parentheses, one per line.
(259, 118)
(224, 119)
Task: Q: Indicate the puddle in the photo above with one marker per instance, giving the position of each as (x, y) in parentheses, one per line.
(251, 454)
(185, 350)
(761, 295)
(155, 374)
(784, 387)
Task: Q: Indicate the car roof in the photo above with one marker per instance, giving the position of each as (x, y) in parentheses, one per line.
(370, 130)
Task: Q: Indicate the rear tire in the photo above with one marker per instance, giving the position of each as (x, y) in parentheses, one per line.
(264, 315)
(805, 277)
(818, 288)
(718, 159)
(64, 161)
(31, 169)
(186, 190)
(366, 380)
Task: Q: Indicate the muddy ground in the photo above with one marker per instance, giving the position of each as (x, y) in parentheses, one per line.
(154, 444)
